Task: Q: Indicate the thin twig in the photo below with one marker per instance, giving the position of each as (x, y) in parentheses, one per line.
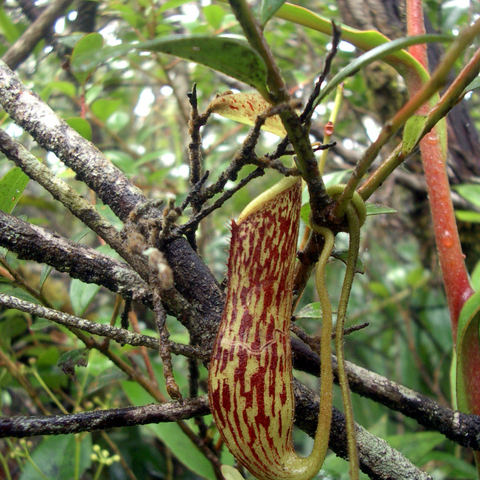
(306, 115)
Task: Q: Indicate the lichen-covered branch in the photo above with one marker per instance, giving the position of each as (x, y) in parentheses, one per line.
(378, 459)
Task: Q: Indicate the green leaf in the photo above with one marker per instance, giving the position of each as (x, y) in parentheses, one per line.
(473, 85)
(412, 132)
(87, 47)
(55, 456)
(172, 4)
(12, 185)
(378, 209)
(460, 469)
(8, 288)
(66, 88)
(365, 40)
(312, 310)
(11, 326)
(214, 15)
(40, 324)
(342, 255)
(81, 294)
(106, 378)
(231, 473)
(415, 446)
(224, 54)
(475, 277)
(470, 192)
(468, 216)
(104, 107)
(172, 436)
(81, 126)
(374, 54)
(117, 121)
(467, 347)
(268, 8)
(8, 28)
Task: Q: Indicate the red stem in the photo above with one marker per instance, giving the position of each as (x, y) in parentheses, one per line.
(455, 276)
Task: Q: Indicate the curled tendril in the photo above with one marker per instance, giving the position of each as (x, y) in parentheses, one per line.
(356, 214)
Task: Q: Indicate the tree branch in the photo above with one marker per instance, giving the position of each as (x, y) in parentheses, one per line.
(44, 246)
(22, 48)
(459, 427)
(69, 197)
(377, 458)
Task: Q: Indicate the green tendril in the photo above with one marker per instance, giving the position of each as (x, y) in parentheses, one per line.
(356, 214)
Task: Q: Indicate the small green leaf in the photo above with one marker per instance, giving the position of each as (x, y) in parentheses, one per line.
(12, 185)
(81, 295)
(12, 326)
(87, 47)
(107, 377)
(81, 126)
(379, 289)
(268, 8)
(230, 473)
(40, 324)
(473, 85)
(104, 107)
(412, 132)
(117, 121)
(378, 209)
(172, 4)
(67, 88)
(470, 192)
(342, 255)
(312, 310)
(468, 216)
(214, 15)
(305, 213)
(415, 446)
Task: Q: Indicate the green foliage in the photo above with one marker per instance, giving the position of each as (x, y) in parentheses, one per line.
(226, 55)
(267, 10)
(12, 186)
(53, 458)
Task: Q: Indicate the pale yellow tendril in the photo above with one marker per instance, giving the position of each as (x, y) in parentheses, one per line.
(356, 214)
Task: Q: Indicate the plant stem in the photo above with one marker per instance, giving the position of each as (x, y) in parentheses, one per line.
(6, 469)
(297, 134)
(331, 122)
(455, 276)
(448, 100)
(49, 392)
(419, 95)
(30, 459)
(353, 249)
